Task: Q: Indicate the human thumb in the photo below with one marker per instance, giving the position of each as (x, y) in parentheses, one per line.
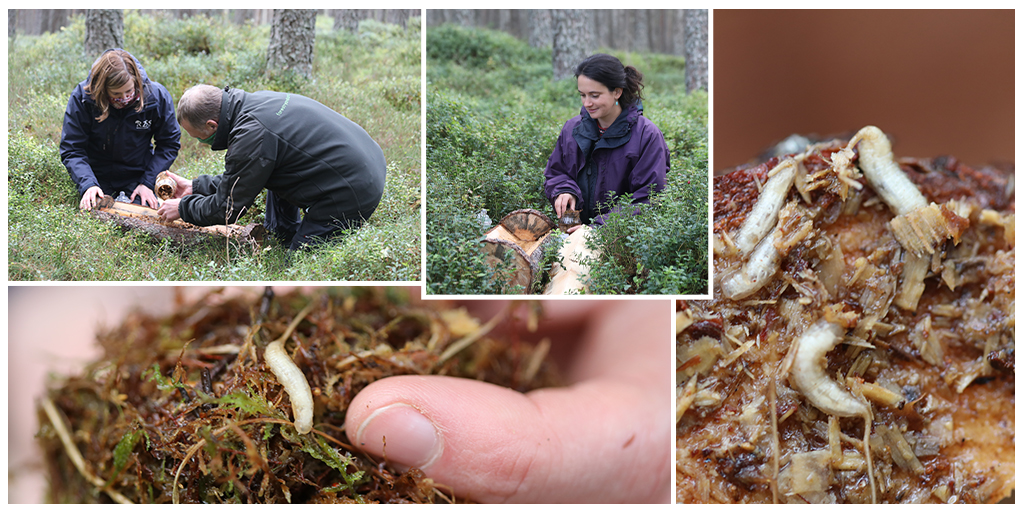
(596, 441)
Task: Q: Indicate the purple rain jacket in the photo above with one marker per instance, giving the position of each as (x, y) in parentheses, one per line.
(128, 148)
(631, 157)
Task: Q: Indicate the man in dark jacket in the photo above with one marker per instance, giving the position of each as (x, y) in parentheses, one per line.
(125, 147)
(305, 154)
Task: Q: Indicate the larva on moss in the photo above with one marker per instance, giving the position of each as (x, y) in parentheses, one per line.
(291, 377)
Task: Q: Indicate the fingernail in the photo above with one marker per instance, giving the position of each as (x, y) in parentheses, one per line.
(402, 434)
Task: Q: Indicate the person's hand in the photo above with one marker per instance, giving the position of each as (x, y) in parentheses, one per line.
(91, 198)
(145, 194)
(564, 202)
(169, 210)
(573, 229)
(182, 186)
(606, 437)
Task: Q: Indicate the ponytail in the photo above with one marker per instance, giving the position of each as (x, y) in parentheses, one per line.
(633, 91)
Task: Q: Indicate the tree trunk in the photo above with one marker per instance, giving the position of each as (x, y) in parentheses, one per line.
(133, 217)
(541, 35)
(463, 17)
(12, 20)
(570, 41)
(104, 29)
(641, 32)
(679, 32)
(696, 49)
(348, 19)
(291, 41)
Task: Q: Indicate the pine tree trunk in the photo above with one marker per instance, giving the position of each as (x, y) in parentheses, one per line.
(678, 32)
(348, 19)
(104, 29)
(641, 32)
(540, 28)
(696, 49)
(464, 17)
(570, 41)
(291, 41)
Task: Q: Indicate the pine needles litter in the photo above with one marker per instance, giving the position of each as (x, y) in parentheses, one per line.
(184, 409)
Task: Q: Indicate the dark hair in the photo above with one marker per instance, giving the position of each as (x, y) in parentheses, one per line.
(610, 72)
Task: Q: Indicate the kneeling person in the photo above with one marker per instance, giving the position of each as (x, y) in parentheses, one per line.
(305, 154)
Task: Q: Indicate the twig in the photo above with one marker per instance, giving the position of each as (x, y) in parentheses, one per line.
(468, 340)
(75, 455)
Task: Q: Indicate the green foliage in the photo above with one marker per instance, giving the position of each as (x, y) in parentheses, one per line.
(493, 116)
(484, 50)
(372, 77)
(124, 448)
(661, 251)
(319, 449)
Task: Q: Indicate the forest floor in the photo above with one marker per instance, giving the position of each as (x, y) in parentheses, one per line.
(372, 77)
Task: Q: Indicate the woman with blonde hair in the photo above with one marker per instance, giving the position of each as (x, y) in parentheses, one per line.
(119, 132)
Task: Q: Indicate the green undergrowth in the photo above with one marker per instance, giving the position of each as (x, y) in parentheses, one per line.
(493, 116)
(371, 76)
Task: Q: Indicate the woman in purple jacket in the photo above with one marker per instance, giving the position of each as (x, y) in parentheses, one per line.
(119, 132)
(610, 149)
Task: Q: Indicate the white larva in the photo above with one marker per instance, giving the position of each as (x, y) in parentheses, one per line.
(809, 378)
(755, 273)
(294, 383)
(884, 174)
(808, 372)
(763, 215)
(291, 377)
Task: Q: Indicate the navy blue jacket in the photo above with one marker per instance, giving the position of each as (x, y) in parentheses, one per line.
(127, 148)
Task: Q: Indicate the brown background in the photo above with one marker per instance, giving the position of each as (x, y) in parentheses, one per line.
(938, 82)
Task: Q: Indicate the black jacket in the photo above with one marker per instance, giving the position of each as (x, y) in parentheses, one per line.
(308, 154)
(127, 148)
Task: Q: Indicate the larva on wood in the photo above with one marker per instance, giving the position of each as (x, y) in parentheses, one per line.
(808, 372)
(291, 377)
(809, 378)
(884, 174)
(762, 216)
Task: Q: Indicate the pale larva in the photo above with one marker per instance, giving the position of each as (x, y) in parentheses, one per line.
(294, 382)
(762, 216)
(809, 378)
(884, 174)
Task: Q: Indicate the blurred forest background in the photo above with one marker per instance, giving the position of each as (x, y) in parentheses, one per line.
(496, 101)
(364, 64)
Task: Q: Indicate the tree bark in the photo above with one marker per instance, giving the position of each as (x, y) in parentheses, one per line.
(104, 29)
(541, 35)
(696, 26)
(348, 19)
(291, 41)
(679, 32)
(570, 41)
(641, 32)
(463, 17)
(12, 20)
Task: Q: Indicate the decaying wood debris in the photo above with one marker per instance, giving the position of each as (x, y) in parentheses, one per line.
(185, 409)
(141, 218)
(915, 286)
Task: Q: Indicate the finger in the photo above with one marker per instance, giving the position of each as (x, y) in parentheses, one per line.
(599, 441)
(573, 229)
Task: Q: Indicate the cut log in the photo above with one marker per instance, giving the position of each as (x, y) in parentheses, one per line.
(523, 234)
(142, 218)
